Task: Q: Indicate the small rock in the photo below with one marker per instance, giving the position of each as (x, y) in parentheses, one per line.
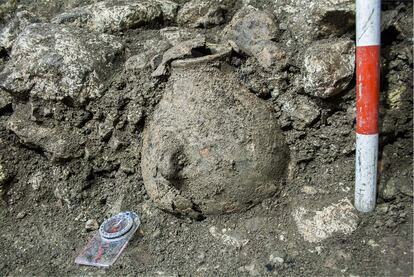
(271, 55)
(277, 258)
(21, 215)
(340, 217)
(36, 180)
(309, 190)
(5, 101)
(382, 208)
(137, 62)
(176, 35)
(127, 168)
(134, 113)
(228, 237)
(200, 258)
(250, 269)
(5, 175)
(303, 110)
(389, 191)
(156, 234)
(105, 130)
(328, 67)
(91, 225)
(406, 183)
(115, 143)
(378, 223)
(372, 243)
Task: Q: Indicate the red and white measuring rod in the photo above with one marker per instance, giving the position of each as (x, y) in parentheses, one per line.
(368, 40)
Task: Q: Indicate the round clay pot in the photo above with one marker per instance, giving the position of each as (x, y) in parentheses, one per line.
(211, 146)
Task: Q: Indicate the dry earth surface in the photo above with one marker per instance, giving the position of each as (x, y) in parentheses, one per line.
(87, 86)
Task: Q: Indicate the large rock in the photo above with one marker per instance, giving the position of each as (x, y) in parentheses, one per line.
(9, 33)
(307, 20)
(118, 15)
(199, 13)
(59, 142)
(318, 225)
(56, 62)
(211, 146)
(328, 67)
(252, 32)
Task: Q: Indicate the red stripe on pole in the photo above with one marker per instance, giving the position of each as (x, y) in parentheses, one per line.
(367, 89)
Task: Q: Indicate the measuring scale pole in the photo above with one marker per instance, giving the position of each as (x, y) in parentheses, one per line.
(368, 40)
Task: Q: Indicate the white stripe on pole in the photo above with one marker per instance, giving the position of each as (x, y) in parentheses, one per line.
(368, 22)
(366, 172)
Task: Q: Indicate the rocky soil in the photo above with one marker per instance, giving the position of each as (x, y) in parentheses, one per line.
(88, 89)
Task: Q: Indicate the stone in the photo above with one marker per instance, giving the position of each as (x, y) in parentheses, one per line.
(114, 16)
(328, 67)
(389, 190)
(9, 33)
(56, 62)
(211, 146)
(60, 142)
(137, 62)
(372, 243)
(309, 190)
(270, 54)
(308, 20)
(134, 113)
(5, 175)
(182, 50)
(91, 225)
(318, 225)
(401, 21)
(35, 180)
(21, 215)
(176, 35)
(5, 101)
(199, 13)
(143, 59)
(227, 237)
(250, 25)
(252, 32)
(401, 181)
(277, 258)
(251, 269)
(406, 182)
(301, 109)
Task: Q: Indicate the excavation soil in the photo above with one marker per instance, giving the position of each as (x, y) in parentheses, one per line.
(46, 201)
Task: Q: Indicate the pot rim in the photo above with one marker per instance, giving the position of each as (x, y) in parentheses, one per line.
(218, 52)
